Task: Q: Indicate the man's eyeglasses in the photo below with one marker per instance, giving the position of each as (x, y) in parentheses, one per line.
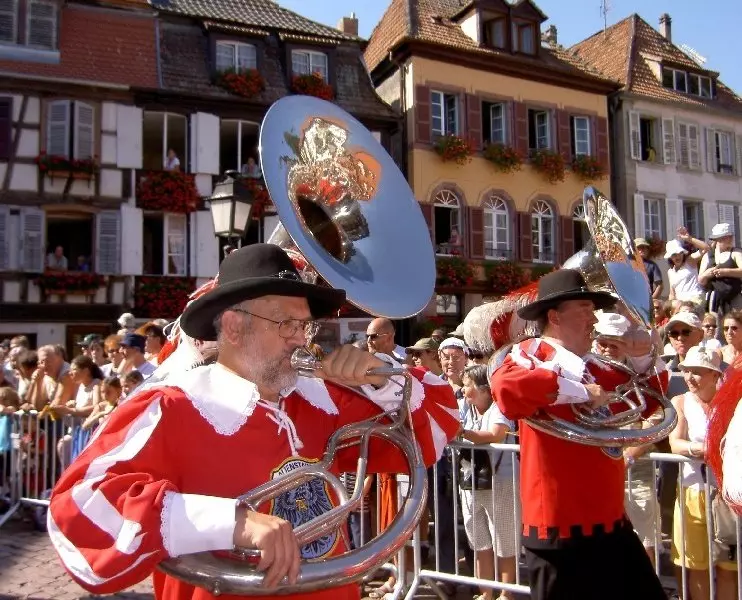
(676, 333)
(288, 328)
(372, 336)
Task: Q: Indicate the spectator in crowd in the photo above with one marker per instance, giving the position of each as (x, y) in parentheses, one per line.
(9, 403)
(127, 321)
(489, 508)
(27, 363)
(131, 381)
(132, 347)
(112, 348)
(710, 331)
(251, 169)
(56, 261)
(51, 384)
(424, 353)
(653, 271)
(172, 162)
(110, 394)
(702, 370)
(720, 271)
(683, 267)
(154, 341)
(83, 264)
(380, 337)
(662, 311)
(732, 330)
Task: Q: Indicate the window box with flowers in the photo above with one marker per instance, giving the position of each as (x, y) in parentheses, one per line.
(161, 297)
(247, 83)
(168, 191)
(550, 164)
(504, 276)
(454, 272)
(62, 283)
(505, 158)
(55, 165)
(587, 168)
(454, 148)
(312, 85)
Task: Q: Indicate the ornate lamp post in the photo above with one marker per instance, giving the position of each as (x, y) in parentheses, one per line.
(231, 205)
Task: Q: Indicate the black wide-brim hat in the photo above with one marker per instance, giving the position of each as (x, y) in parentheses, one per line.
(560, 286)
(251, 272)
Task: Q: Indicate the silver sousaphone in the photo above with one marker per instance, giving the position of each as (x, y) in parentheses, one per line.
(348, 218)
(609, 263)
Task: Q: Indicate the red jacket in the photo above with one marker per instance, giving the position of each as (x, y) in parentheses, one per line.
(567, 489)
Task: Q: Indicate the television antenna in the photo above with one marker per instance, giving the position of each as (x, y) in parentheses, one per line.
(697, 57)
(605, 7)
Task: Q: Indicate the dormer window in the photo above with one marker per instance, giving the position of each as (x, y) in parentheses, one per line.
(524, 37)
(687, 83)
(306, 62)
(495, 33)
(32, 23)
(235, 55)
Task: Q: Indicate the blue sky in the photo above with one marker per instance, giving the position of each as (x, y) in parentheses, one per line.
(712, 28)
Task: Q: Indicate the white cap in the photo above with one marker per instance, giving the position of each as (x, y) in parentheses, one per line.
(703, 358)
(686, 317)
(611, 324)
(674, 247)
(126, 320)
(452, 342)
(721, 230)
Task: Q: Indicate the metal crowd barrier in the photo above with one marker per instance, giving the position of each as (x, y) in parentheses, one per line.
(34, 450)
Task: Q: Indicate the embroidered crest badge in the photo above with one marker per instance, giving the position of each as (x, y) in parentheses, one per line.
(302, 504)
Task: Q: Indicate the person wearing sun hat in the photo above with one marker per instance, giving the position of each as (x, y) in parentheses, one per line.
(575, 530)
(683, 271)
(720, 271)
(162, 475)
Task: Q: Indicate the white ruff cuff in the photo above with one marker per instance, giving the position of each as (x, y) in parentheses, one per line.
(570, 392)
(192, 523)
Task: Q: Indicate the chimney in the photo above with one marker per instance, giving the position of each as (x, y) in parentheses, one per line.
(666, 27)
(349, 25)
(550, 35)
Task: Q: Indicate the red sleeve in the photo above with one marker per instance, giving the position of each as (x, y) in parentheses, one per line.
(104, 516)
(435, 420)
(520, 389)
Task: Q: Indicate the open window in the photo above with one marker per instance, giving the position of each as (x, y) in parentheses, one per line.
(580, 231)
(445, 113)
(580, 135)
(539, 129)
(447, 222)
(495, 122)
(496, 32)
(163, 131)
(693, 219)
(524, 37)
(165, 248)
(238, 142)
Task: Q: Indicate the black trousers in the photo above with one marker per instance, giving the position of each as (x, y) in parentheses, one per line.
(613, 566)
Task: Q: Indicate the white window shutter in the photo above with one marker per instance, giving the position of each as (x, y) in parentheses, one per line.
(84, 131)
(673, 217)
(638, 215)
(205, 143)
(33, 226)
(710, 217)
(8, 20)
(174, 256)
(683, 145)
(132, 240)
(4, 238)
(58, 128)
(205, 244)
(636, 141)
(668, 141)
(107, 242)
(694, 147)
(727, 213)
(129, 128)
(710, 150)
(42, 24)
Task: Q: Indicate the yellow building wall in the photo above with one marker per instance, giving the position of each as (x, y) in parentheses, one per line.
(427, 171)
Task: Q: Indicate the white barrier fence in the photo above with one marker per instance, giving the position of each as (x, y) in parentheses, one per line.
(34, 451)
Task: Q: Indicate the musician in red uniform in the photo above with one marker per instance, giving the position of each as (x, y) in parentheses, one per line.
(578, 541)
(161, 478)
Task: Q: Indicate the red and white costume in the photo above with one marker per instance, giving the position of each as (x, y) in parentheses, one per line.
(567, 489)
(161, 476)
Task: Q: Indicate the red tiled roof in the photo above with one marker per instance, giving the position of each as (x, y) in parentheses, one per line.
(100, 46)
(429, 21)
(623, 53)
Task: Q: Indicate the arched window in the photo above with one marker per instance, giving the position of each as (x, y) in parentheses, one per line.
(579, 227)
(449, 239)
(497, 242)
(542, 232)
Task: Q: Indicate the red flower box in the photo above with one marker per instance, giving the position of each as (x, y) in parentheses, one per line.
(162, 297)
(53, 164)
(168, 191)
(550, 164)
(454, 272)
(64, 282)
(242, 82)
(454, 148)
(312, 85)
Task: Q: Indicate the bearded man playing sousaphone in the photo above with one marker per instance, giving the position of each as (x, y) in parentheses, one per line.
(578, 542)
(161, 478)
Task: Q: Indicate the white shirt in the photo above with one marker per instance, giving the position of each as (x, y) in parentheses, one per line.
(492, 416)
(172, 163)
(684, 281)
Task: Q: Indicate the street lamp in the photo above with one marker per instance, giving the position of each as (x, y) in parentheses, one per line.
(231, 204)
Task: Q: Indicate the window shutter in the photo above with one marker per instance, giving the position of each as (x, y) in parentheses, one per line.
(673, 217)
(710, 150)
(525, 244)
(694, 147)
(735, 149)
(129, 131)
(567, 232)
(520, 128)
(476, 233)
(634, 136)
(739, 155)
(107, 242)
(4, 238)
(638, 215)
(204, 143)
(427, 210)
(32, 226)
(6, 127)
(84, 131)
(423, 124)
(8, 25)
(42, 24)
(58, 129)
(206, 245)
(474, 120)
(564, 135)
(668, 141)
(683, 145)
(132, 240)
(601, 150)
(710, 217)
